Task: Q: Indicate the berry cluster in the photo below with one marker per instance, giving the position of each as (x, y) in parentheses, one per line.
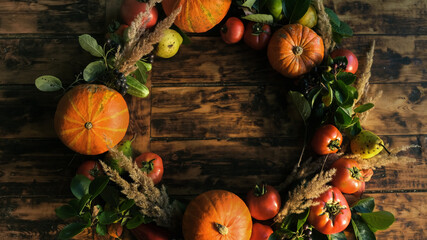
(307, 232)
(120, 82)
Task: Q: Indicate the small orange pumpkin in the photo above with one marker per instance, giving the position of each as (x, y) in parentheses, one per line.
(217, 214)
(197, 15)
(294, 50)
(90, 118)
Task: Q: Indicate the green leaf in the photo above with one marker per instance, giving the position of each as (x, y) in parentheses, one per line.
(347, 77)
(341, 92)
(338, 236)
(84, 202)
(361, 229)
(364, 107)
(336, 36)
(108, 217)
(380, 220)
(312, 96)
(333, 16)
(302, 218)
(364, 205)
(355, 128)
(93, 69)
(344, 29)
(288, 221)
(80, 186)
(329, 97)
(71, 230)
(342, 118)
(328, 77)
(101, 229)
(301, 104)
(135, 221)
(248, 3)
(128, 203)
(66, 211)
(90, 44)
(48, 83)
(110, 195)
(295, 9)
(74, 203)
(98, 185)
(261, 18)
(352, 95)
(275, 236)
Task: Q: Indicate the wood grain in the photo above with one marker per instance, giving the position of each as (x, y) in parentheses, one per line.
(58, 17)
(393, 17)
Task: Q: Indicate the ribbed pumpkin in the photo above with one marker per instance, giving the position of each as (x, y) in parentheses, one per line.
(90, 118)
(197, 16)
(294, 50)
(217, 214)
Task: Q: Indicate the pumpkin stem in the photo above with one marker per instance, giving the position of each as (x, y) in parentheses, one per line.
(88, 125)
(297, 50)
(223, 230)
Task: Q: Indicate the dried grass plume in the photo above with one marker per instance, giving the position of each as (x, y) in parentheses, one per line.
(324, 25)
(385, 159)
(302, 196)
(152, 201)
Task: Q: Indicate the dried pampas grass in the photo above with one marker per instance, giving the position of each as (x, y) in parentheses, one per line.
(302, 196)
(152, 201)
(385, 159)
(324, 25)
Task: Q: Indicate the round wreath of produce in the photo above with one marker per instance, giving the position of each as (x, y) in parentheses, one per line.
(321, 197)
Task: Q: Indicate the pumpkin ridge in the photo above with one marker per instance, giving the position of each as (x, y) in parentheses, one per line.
(71, 120)
(306, 43)
(113, 129)
(105, 100)
(213, 205)
(110, 117)
(73, 142)
(71, 130)
(90, 106)
(75, 108)
(88, 143)
(206, 12)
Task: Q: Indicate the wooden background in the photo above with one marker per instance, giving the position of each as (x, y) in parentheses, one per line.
(217, 114)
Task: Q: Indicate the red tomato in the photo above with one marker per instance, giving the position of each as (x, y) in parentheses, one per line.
(152, 164)
(263, 202)
(352, 63)
(90, 169)
(327, 139)
(115, 230)
(150, 231)
(232, 31)
(130, 9)
(260, 232)
(332, 215)
(348, 178)
(257, 35)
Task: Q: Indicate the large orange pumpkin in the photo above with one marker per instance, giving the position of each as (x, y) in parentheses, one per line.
(90, 118)
(197, 16)
(217, 214)
(294, 50)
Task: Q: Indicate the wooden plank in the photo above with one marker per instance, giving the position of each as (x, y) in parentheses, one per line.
(395, 17)
(44, 167)
(409, 210)
(400, 110)
(23, 60)
(217, 112)
(397, 59)
(222, 112)
(34, 218)
(57, 17)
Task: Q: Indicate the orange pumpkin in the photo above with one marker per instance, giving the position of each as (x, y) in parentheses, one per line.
(294, 50)
(90, 118)
(197, 16)
(217, 214)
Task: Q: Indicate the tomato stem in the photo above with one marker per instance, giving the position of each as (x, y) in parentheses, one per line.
(260, 190)
(355, 173)
(334, 144)
(148, 166)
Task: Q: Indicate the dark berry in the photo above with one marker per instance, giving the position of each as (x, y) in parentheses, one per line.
(116, 72)
(121, 75)
(306, 227)
(308, 232)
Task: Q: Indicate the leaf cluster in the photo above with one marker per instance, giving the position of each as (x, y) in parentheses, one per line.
(291, 227)
(100, 70)
(96, 204)
(336, 95)
(261, 10)
(340, 29)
